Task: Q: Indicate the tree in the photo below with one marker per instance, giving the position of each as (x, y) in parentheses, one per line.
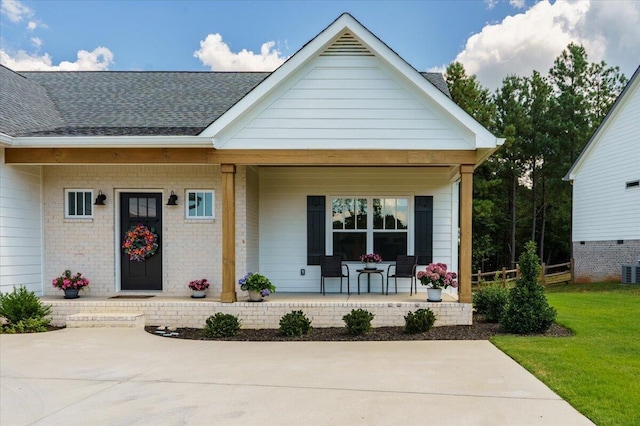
(528, 310)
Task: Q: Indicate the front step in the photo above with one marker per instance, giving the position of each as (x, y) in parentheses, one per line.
(90, 319)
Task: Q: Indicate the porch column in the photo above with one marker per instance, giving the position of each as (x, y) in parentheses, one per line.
(228, 234)
(466, 209)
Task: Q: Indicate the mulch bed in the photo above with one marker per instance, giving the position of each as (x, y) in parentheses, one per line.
(480, 330)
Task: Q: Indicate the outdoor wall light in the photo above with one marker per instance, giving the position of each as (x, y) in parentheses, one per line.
(100, 199)
(172, 199)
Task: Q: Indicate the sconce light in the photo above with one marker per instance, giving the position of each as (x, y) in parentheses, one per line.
(100, 199)
(172, 199)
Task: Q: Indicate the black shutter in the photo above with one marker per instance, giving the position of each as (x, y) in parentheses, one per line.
(424, 229)
(316, 221)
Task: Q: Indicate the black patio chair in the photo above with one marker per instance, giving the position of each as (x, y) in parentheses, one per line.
(332, 267)
(405, 267)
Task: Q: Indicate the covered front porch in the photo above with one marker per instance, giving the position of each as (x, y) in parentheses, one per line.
(324, 311)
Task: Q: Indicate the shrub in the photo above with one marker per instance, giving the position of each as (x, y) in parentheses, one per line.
(222, 325)
(358, 321)
(528, 310)
(28, 325)
(491, 301)
(295, 323)
(420, 321)
(22, 304)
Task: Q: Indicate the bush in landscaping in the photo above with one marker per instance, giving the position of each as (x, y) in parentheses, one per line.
(222, 325)
(491, 301)
(528, 310)
(295, 323)
(358, 321)
(23, 307)
(420, 321)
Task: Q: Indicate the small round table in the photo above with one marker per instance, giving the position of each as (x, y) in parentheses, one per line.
(369, 272)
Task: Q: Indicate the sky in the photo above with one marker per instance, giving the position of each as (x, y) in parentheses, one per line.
(491, 38)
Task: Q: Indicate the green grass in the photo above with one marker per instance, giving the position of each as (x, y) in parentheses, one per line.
(598, 369)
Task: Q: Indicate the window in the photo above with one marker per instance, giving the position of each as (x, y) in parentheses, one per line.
(363, 225)
(78, 203)
(200, 204)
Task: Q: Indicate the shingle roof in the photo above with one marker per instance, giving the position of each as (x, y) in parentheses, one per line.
(25, 106)
(108, 103)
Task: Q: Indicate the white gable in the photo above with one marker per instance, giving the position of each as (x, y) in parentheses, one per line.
(347, 90)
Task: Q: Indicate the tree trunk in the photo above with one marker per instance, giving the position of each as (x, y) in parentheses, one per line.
(534, 211)
(544, 218)
(514, 187)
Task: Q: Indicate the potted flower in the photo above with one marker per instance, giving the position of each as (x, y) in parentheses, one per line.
(370, 260)
(70, 284)
(199, 287)
(436, 278)
(257, 285)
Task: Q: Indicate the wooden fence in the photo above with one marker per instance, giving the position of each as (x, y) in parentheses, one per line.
(549, 274)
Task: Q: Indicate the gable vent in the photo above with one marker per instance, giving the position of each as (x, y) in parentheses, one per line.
(347, 45)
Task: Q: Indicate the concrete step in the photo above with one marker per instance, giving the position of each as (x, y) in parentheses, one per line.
(105, 319)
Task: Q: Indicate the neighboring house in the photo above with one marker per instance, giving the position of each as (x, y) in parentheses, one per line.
(606, 193)
(344, 149)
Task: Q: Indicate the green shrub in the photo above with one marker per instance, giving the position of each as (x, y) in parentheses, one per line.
(222, 325)
(358, 321)
(29, 325)
(295, 323)
(491, 301)
(528, 310)
(420, 321)
(22, 304)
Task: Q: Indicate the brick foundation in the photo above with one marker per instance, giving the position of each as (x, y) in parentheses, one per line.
(602, 260)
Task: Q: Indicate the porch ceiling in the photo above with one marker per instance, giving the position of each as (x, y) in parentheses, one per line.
(264, 157)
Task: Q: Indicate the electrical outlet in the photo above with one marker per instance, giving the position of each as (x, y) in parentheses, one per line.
(302, 272)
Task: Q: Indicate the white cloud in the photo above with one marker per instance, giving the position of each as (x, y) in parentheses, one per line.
(518, 4)
(14, 10)
(217, 55)
(533, 39)
(97, 60)
(37, 42)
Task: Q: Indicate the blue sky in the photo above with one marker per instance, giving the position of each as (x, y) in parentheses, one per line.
(492, 38)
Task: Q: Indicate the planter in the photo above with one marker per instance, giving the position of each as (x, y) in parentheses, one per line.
(71, 293)
(198, 294)
(370, 265)
(434, 295)
(255, 296)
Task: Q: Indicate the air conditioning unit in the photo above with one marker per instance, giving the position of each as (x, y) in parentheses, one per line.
(630, 274)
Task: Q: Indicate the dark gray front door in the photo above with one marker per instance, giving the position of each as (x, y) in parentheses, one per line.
(141, 208)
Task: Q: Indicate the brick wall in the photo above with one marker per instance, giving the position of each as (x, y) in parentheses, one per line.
(191, 313)
(602, 260)
(191, 249)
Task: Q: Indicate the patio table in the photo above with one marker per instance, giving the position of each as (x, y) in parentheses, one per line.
(369, 272)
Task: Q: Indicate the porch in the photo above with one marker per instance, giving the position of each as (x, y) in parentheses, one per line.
(324, 311)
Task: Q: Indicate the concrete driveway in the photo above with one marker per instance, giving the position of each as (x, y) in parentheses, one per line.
(129, 377)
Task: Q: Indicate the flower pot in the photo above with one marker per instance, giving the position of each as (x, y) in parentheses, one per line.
(71, 293)
(434, 295)
(198, 294)
(370, 265)
(255, 296)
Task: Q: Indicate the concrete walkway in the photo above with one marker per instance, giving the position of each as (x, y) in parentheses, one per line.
(129, 377)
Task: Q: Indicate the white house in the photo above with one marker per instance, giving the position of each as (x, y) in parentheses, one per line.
(344, 149)
(606, 193)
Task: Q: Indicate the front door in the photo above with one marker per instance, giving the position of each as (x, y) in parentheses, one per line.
(143, 208)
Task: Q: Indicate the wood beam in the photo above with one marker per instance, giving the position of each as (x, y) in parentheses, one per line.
(466, 209)
(259, 157)
(228, 234)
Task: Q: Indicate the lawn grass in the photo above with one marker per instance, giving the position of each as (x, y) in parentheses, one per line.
(598, 369)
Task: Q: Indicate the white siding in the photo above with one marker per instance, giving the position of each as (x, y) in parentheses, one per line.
(283, 216)
(20, 227)
(253, 229)
(346, 102)
(603, 208)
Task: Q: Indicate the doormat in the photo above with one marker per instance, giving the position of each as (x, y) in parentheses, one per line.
(131, 297)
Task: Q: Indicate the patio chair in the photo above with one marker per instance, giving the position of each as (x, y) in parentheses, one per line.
(405, 267)
(332, 267)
